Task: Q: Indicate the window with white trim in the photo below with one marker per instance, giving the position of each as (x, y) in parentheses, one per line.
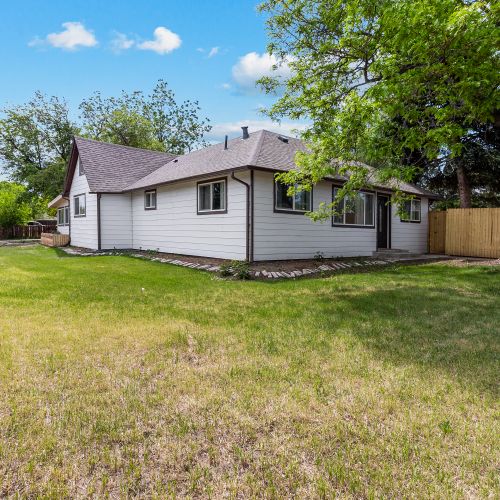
(300, 201)
(150, 199)
(79, 204)
(412, 210)
(212, 196)
(80, 168)
(354, 210)
(63, 216)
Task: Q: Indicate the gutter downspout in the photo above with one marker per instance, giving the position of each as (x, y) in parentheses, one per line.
(98, 221)
(249, 219)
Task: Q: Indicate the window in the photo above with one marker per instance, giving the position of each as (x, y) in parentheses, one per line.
(80, 168)
(63, 216)
(411, 211)
(212, 196)
(354, 211)
(79, 205)
(150, 199)
(299, 202)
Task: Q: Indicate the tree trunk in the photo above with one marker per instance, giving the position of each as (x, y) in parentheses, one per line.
(464, 190)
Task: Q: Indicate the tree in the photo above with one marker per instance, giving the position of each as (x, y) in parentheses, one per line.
(398, 84)
(35, 143)
(155, 121)
(13, 207)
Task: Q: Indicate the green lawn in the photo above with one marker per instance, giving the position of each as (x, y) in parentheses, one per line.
(382, 384)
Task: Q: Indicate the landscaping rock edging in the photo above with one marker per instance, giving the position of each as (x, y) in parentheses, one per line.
(331, 267)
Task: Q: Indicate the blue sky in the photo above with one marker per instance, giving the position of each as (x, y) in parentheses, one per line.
(211, 51)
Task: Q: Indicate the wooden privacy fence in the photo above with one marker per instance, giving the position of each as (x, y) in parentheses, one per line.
(25, 232)
(471, 232)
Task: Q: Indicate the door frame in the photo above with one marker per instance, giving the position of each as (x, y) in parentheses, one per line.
(389, 219)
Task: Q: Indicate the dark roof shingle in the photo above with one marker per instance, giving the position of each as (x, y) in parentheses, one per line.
(111, 167)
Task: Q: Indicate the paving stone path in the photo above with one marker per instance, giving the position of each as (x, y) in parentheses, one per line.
(329, 268)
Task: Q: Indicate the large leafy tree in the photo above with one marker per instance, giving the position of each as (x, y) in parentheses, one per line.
(14, 208)
(35, 143)
(154, 121)
(399, 84)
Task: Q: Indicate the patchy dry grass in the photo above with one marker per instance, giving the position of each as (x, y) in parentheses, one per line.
(365, 385)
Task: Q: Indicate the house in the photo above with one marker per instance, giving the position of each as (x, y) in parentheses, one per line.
(222, 201)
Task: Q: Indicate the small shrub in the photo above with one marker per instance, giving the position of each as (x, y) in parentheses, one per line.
(319, 256)
(239, 269)
(225, 270)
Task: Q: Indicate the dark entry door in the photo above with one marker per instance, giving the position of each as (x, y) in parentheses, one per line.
(383, 221)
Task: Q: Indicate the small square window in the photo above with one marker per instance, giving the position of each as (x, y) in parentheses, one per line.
(150, 199)
(412, 211)
(212, 196)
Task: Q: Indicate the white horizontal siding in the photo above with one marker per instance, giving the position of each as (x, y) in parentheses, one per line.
(291, 236)
(175, 226)
(116, 221)
(412, 236)
(63, 229)
(83, 229)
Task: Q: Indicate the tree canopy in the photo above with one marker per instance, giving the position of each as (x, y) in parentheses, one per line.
(35, 137)
(14, 208)
(155, 121)
(406, 86)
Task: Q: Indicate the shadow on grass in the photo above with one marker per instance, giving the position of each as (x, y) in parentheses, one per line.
(453, 327)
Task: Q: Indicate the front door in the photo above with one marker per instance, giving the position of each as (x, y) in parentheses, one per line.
(383, 208)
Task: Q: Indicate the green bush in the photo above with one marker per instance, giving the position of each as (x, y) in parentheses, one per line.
(238, 269)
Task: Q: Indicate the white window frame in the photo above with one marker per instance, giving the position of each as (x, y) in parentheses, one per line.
(65, 216)
(293, 209)
(341, 209)
(80, 168)
(412, 203)
(80, 212)
(151, 194)
(211, 210)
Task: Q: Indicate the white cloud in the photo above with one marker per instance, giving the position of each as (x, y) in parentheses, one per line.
(226, 86)
(121, 42)
(213, 52)
(165, 41)
(233, 129)
(74, 35)
(253, 66)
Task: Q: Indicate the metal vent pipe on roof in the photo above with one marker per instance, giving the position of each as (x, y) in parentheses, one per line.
(225, 142)
(245, 132)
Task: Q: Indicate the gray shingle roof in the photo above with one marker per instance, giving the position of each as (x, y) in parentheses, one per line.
(111, 167)
(115, 168)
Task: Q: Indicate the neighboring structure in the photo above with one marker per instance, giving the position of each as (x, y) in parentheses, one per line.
(222, 201)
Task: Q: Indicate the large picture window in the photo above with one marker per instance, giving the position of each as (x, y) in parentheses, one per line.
(212, 196)
(299, 202)
(150, 199)
(79, 205)
(63, 216)
(411, 211)
(355, 210)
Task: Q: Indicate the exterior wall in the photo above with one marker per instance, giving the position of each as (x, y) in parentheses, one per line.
(175, 226)
(295, 236)
(83, 229)
(412, 236)
(116, 221)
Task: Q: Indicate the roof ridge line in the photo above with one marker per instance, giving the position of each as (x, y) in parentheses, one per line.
(125, 146)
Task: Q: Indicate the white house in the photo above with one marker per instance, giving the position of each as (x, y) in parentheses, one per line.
(222, 201)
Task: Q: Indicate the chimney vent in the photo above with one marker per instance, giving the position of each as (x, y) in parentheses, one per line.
(225, 142)
(283, 139)
(245, 132)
